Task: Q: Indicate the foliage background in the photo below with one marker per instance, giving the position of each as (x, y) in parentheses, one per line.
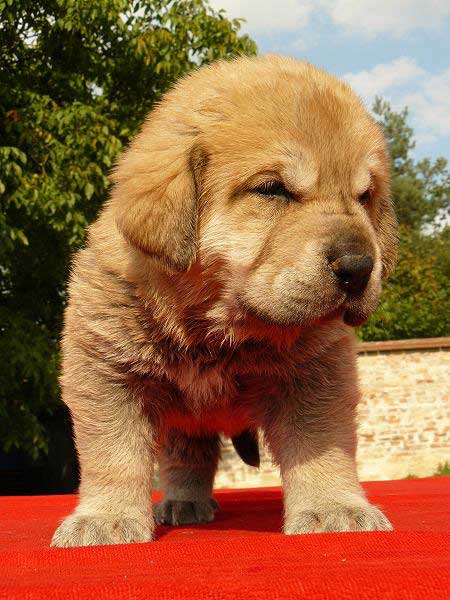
(77, 78)
(415, 301)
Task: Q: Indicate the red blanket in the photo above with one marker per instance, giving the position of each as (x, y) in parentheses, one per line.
(242, 555)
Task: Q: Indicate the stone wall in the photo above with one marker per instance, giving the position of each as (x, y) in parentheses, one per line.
(404, 416)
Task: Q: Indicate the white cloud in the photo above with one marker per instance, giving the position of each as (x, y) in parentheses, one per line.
(404, 83)
(269, 16)
(430, 106)
(300, 45)
(383, 77)
(393, 17)
(367, 17)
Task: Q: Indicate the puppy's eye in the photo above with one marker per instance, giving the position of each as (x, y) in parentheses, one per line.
(364, 198)
(273, 188)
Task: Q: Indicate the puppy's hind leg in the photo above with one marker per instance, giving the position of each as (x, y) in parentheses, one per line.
(187, 469)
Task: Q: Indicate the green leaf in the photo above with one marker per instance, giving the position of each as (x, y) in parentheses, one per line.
(78, 78)
(22, 237)
(88, 190)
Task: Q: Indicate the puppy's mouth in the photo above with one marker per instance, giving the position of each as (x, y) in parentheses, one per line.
(350, 312)
(354, 319)
(290, 319)
(356, 311)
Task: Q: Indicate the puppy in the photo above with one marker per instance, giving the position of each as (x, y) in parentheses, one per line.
(249, 229)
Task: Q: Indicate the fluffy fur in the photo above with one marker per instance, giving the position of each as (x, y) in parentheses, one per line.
(204, 301)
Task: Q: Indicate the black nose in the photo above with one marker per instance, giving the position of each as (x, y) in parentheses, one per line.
(353, 271)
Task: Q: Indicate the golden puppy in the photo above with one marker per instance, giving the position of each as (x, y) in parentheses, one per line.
(249, 227)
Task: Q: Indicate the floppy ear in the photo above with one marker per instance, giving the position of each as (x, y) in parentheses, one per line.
(155, 197)
(387, 229)
(386, 225)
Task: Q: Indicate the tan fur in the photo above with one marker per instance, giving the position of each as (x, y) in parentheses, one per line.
(200, 306)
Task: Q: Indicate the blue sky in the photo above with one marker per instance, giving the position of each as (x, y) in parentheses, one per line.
(398, 49)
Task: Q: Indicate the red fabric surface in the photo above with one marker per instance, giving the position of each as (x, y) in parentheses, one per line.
(242, 555)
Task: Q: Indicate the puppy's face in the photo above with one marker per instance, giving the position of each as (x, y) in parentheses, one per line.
(288, 196)
(295, 225)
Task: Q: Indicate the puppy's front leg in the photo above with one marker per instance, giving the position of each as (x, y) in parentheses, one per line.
(187, 468)
(114, 444)
(313, 439)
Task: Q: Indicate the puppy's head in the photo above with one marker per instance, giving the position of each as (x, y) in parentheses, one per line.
(273, 171)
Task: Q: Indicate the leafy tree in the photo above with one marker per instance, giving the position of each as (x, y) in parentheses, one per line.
(415, 301)
(420, 189)
(76, 79)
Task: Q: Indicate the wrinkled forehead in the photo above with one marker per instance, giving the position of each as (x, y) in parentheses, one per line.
(306, 162)
(310, 133)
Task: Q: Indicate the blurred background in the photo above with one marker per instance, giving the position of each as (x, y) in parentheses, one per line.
(77, 78)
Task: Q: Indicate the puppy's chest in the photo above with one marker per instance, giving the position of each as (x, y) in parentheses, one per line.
(207, 384)
(237, 378)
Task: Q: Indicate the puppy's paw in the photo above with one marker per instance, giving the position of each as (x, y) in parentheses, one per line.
(100, 529)
(184, 512)
(339, 518)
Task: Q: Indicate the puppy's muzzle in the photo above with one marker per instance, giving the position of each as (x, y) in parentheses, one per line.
(352, 271)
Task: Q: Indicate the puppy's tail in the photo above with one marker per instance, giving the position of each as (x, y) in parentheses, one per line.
(246, 445)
